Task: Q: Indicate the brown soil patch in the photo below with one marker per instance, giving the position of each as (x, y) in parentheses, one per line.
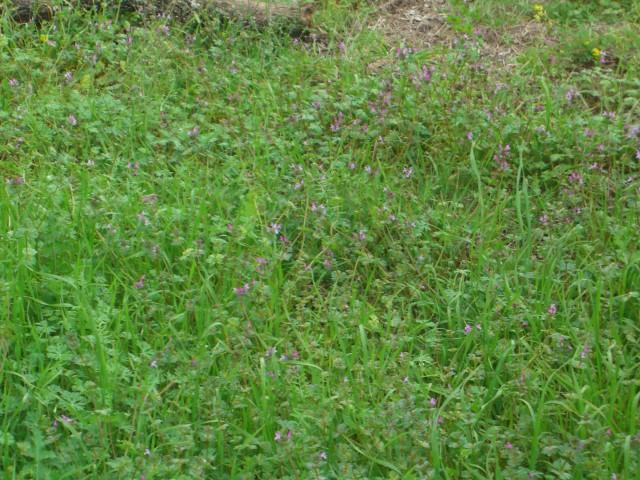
(417, 23)
(423, 24)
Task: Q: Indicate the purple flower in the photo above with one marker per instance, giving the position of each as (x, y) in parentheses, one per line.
(508, 446)
(275, 228)
(575, 177)
(230, 227)
(13, 83)
(544, 219)
(295, 355)
(342, 47)
(553, 309)
(586, 350)
(426, 73)
(404, 52)
(68, 77)
(571, 94)
(151, 198)
(278, 436)
(500, 157)
(337, 122)
(468, 329)
(433, 402)
(603, 57)
(73, 121)
(289, 435)
(638, 154)
(407, 172)
(242, 290)
(140, 283)
(470, 136)
(316, 104)
(318, 207)
(142, 217)
(66, 419)
(361, 235)
(194, 132)
(298, 185)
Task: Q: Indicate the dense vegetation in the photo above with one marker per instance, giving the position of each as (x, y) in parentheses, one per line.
(230, 253)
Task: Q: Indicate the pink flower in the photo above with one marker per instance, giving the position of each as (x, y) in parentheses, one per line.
(425, 76)
(553, 309)
(242, 290)
(278, 436)
(470, 136)
(468, 329)
(66, 419)
(508, 445)
(433, 402)
(575, 177)
(13, 83)
(73, 121)
(151, 198)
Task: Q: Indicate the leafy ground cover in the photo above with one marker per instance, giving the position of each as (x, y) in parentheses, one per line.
(230, 253)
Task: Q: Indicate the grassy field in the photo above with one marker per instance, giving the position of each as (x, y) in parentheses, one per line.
(227, 253)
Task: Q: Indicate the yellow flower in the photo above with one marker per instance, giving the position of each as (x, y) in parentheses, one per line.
(539, 13)
(596, 53)
(44, 38)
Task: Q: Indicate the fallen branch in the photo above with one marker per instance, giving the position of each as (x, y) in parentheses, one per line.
(262, 13)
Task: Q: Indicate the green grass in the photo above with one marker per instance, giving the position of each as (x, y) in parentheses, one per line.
(226, 253)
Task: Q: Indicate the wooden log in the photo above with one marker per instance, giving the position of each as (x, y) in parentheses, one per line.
(262, 13)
